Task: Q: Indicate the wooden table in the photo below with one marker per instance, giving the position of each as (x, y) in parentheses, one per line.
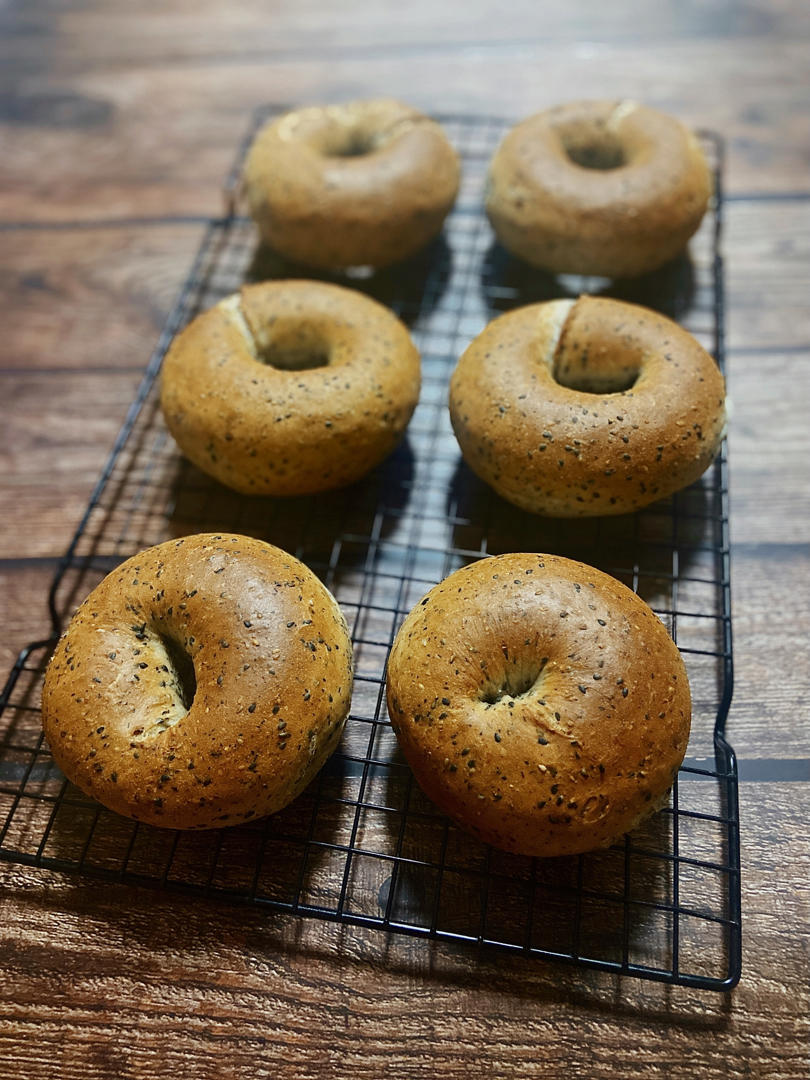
(118, 124)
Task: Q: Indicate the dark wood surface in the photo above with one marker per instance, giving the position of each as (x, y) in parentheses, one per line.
(117, 125)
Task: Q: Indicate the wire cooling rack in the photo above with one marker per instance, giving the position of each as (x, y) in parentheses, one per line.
(363, 845)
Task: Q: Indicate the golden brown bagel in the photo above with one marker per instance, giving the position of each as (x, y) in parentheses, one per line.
(586, 407)
(362, 184)
(290, 387)
(202, 683)
(540, 703)
(598, 187)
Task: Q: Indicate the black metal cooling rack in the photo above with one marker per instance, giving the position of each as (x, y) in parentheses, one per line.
(363, 845)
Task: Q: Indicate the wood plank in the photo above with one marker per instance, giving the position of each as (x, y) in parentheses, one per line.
(769, 447)
(59, 430)
(122, 152)
(92, 298)
(24, 585)
(129, 981)
(207, 30)
(61, 287)
(771, 629)
(767, 257)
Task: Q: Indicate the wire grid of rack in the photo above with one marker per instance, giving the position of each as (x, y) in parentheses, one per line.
(363, 845)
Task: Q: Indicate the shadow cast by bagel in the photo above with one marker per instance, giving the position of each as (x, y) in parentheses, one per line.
(272, 858)
(637, 549)
(288, 857)
(508, 282)
(445, 877)
(411, 288)
(192, 926)
(311, 527)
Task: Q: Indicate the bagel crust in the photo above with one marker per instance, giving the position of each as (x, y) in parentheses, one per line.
(129, 723)
(362, 184)
(290, 387)
(598, 187)
(527, 427)
(540, 703)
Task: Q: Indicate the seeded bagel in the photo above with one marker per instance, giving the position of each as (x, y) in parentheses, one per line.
(586, 407)
(362, 184)
(290, 387)
(540, 703)
(598, 187)
(202, 683)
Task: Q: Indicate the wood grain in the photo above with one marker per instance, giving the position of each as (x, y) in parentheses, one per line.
(130, 982)
(24, 585)
(134, 270)
(89, 299)
(141, 112)
(43, 456)
(206, 30)
(769, 445)
(767, 249)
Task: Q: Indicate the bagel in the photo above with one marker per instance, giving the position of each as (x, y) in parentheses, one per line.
(290, 387)
(540, 704)
(598, 187)
(587, 407)
(362, 184)
(202, 683)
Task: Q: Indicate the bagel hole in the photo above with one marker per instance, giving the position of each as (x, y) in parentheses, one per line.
(595, 382)
(292, 344)
(181, 664)
(287, 343)
(601, 153)
(178, 682)
(353, 144)
(515, 684)
(294, 357)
